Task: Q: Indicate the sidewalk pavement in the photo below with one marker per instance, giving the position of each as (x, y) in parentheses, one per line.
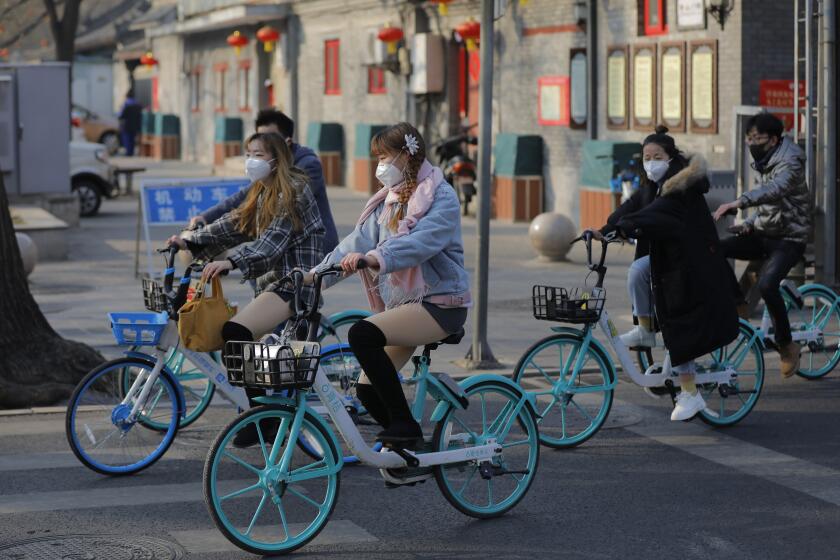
(98, 278)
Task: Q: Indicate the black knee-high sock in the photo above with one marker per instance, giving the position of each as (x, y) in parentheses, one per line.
(235, 331)
(376, 408)
(368, 345)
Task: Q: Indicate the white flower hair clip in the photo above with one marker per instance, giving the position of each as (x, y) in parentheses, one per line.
(411, 144)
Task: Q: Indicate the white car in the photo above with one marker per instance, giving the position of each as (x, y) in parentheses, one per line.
(91, 175)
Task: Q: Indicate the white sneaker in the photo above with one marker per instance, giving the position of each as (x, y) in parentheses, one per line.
(687, 406)
(639, 337)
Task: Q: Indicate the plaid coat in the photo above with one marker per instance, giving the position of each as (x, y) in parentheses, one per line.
(276, 251)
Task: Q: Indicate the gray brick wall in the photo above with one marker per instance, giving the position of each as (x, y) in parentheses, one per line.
(767, 52)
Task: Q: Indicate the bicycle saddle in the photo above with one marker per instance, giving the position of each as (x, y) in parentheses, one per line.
(453, 338)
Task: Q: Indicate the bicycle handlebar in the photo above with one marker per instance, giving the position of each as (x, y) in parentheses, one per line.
(296, 278)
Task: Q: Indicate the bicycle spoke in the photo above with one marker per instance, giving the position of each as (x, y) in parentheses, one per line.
(581, 410)
(554, 400)
(483, 414)
(311, 466)
(257, 513)
(489, 492)
(461, 422)
(242, 463)
(467, 483)
(262, 443)
(544, 374)
(240, 492)
(283, 520)
(516, 443)
(305, 498)
(563, 421)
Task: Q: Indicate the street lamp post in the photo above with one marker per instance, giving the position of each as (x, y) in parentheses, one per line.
(480, 355)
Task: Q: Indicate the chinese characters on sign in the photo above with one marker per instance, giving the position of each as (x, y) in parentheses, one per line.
(553, 105)
(672, 108)
(176, 203)
(703, 86)
(617, 87)
(779, 93)
(644, 87)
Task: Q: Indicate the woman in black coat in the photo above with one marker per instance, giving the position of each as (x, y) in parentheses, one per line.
(694, 303)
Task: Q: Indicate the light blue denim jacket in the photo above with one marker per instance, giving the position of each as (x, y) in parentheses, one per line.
(434, 243)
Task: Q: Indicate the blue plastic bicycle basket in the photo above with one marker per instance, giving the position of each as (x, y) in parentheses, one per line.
(139, 328)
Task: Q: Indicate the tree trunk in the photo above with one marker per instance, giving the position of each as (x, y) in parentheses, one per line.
(64, 29)
(37, 366)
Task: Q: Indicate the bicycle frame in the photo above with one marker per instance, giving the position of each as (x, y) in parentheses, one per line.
(795, 296)
(146, 379)
(384, 459)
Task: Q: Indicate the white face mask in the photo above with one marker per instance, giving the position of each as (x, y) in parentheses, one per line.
(656, 169)
(389, 174)
(257, 169)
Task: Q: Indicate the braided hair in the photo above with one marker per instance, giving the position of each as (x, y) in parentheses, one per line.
(404, 142)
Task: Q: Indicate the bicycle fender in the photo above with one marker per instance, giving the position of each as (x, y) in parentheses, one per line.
(568, 330)
(179, 390)
(530, 398)
(338, 345)
(745, 325)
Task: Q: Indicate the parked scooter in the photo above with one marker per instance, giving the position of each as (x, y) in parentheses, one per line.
(458, 167)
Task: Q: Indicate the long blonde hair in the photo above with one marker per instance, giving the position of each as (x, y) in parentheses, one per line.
(260, 207)
(392, 141)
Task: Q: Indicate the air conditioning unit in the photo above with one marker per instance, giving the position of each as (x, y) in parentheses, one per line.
(427, 64)
(376, 53)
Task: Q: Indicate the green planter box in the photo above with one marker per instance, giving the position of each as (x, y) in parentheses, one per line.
(147, 124)
(167, 125)
(518, 155)
(601, 160)
(364, 134)
(325, 137)
(229, 129)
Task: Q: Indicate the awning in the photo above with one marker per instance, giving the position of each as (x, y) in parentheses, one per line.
(222, 19)
(161, 15)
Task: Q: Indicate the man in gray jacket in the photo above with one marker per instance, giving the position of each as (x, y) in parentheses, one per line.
(272, 120)
(778, 230)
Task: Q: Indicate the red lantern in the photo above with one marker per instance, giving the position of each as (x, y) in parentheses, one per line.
(237, 40)
(4, 53)
(470, 31)
(390, 36)
(442, 6)
(268, 35)
(148, 60)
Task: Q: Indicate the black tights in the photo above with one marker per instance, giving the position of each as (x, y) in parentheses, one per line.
(384, 398)
(235, 331)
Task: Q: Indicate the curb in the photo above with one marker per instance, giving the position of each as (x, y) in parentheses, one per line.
(34, 410)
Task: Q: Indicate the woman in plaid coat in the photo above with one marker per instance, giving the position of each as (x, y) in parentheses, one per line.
(276, 229)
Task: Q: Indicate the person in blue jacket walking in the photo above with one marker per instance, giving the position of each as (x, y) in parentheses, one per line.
(272, 120)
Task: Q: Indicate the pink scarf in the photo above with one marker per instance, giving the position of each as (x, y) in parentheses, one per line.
(407, 285)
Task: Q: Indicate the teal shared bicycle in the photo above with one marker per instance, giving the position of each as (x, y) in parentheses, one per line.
(274, 498)
(575, 376)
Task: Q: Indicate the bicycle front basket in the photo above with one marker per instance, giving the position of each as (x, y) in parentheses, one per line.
(290, 365)
(572, 305)
(138, 328)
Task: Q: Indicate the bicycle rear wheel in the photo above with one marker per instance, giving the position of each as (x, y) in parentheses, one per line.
(820, 311)
(570, 410)
(98, 426)
(258, 507)
(491, 487)
(728, 404)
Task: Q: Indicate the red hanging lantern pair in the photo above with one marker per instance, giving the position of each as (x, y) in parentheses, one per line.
(391, 36)
(268, 36)
(237, 40)
(470, 32)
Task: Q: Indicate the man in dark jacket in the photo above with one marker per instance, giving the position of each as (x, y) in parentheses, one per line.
(778, 230)
(272, 120)
(131, 116)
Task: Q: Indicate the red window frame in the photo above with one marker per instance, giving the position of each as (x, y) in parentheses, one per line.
(221, 70)
(332, 72)
(195, 90)
(564, 109)
(155, 94)
(376, 81)
(659, 6)
(243, 85)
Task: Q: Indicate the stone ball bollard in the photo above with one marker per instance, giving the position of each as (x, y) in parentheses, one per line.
(551, 234)
(28, 252)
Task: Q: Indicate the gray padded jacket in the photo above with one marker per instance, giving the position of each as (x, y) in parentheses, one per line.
(781, 196)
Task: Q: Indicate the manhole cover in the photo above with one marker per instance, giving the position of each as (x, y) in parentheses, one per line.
(91, 547)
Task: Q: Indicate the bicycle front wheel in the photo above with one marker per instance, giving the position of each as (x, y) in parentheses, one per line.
(491, 487)
(198, 388)
(820, 312)
(571, 407)
(100, 430)
(258, 506)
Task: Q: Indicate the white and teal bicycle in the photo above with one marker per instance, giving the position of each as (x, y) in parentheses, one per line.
(124, 415)
(579, 376)
(274, 498)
